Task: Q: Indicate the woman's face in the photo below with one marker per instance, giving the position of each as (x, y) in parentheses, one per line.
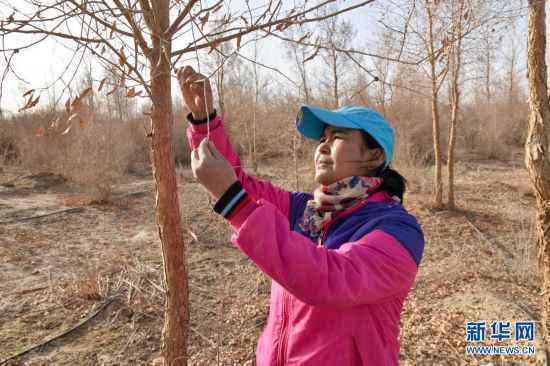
(342, 153)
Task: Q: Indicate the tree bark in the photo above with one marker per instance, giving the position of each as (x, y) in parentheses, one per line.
(335, 91)
(456, 61)
(176, 311)
(536, 147)
(438, 183)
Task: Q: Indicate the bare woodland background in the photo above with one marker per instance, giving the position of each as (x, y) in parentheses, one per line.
(471, 71)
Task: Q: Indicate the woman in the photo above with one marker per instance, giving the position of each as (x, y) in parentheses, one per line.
(342, 259)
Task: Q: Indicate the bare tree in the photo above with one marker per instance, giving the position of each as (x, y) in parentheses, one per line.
(437, 76)
(335, 34)
(144, 34)
(536, 146)
(459, 15)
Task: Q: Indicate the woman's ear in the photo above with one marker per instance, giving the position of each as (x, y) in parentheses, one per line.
(375, 158)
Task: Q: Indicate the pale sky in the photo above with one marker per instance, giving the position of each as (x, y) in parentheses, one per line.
(42, 64)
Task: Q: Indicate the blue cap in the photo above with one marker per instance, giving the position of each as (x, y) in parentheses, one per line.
(311, 122)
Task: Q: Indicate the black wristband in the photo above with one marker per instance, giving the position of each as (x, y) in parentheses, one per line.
(193, 121)
(230, 199)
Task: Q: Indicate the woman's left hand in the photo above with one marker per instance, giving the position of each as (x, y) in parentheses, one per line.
(211, 169)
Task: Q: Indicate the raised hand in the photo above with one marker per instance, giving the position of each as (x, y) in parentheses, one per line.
(196, 91)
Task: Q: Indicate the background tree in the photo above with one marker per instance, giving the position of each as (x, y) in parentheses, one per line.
(335, 34)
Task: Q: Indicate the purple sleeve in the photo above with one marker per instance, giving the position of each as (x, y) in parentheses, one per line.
(374, 269)
(257, 188)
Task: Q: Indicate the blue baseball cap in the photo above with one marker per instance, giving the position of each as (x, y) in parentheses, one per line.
(311, 122)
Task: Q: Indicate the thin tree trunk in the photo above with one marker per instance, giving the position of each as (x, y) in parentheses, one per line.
(511, 78)
(455, 56)
(536, 147)
(255, 111)
(335, 78)
(488, 69)
(176, 311)
(221, 91)
(438, 184)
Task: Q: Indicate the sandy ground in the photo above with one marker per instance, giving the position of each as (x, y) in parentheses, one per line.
(58, 270)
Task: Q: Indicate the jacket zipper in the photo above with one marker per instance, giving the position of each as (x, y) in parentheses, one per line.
(285, 326)
(284, 332)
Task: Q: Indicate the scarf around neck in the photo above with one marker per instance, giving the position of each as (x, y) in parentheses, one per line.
(329, 201)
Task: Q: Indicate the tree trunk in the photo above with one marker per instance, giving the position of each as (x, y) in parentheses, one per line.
(488, 68)
(295, 157)
(438, 184)
(512, 79)
(176, 311)
(221, 90)
(456, 61)
(536, 147)
(335, 79)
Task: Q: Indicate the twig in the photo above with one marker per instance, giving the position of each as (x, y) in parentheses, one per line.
(29, 290)
(66, 332)
(69, 210)
(483, 236)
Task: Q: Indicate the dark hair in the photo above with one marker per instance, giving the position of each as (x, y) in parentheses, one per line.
(394, 183)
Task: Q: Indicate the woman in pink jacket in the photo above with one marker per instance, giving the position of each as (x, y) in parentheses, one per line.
(342, 259)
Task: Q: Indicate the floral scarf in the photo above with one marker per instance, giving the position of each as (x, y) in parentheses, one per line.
(329, 201)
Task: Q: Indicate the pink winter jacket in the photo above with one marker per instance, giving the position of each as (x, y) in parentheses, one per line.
(329, 306)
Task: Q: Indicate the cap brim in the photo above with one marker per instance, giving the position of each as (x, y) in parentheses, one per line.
(311, 121)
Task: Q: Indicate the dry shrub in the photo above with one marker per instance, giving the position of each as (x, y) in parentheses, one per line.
(95, 156)
(489, 132)
(412, 122)
(86, 286)
(140, 285)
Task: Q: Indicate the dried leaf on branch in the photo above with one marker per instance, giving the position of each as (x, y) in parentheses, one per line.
(121, 57)
(131, 93)
(28, 92)
(102, 84)
(85, 92)
(30, 103)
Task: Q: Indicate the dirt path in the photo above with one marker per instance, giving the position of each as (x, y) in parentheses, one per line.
(58, 269)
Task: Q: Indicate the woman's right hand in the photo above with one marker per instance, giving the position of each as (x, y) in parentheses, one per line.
(196, 91)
